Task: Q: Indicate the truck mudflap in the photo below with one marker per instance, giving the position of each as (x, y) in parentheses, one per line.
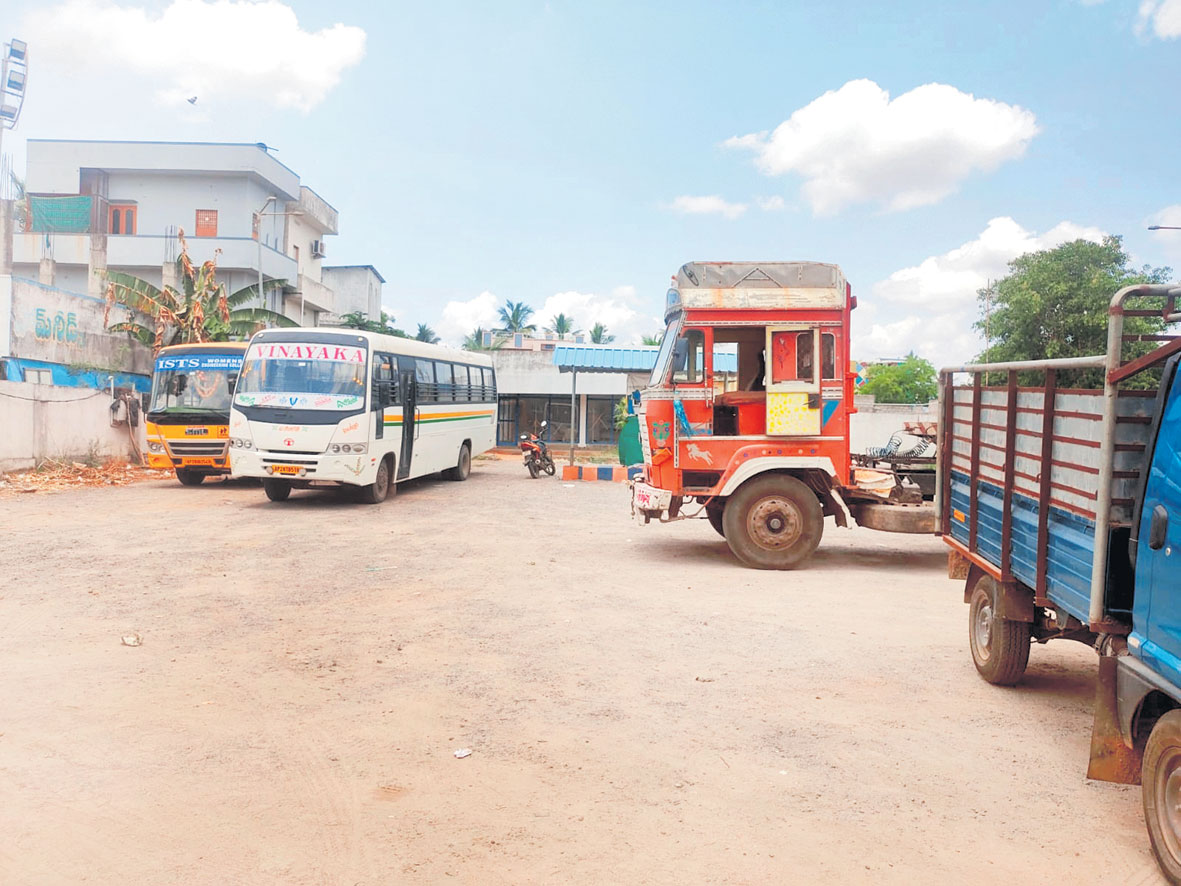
(1111, 757)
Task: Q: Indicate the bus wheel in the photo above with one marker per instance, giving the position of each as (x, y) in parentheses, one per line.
(714, 513)
(1160, 780)
(189, 478)
(1000, 647)
(463, 467)
(375, 493)
(773, 522)
(276, 490)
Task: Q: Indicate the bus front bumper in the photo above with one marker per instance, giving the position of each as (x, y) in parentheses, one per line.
(354, 470)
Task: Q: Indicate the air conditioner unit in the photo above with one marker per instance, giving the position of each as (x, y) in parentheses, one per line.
(318, 249)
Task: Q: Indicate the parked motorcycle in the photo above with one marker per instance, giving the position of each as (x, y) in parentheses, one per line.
(536, 454)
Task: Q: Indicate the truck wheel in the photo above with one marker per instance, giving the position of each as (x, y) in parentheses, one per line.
(1160, 779)
(463, 466)
(276, 490)
(375, 493)
(189, 478)
(714, 513)
(773, 522)
(1000, 647)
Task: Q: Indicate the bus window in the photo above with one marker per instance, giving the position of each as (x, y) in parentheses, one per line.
(463, 391)
(445, 378)
(424, 375)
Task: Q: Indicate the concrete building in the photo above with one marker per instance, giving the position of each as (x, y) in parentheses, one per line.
(91, 206)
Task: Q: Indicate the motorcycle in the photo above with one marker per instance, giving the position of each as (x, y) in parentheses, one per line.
(536, 454)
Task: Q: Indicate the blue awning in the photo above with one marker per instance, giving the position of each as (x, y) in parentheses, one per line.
(576, 358)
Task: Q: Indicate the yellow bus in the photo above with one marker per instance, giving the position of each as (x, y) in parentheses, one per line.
(187, 421)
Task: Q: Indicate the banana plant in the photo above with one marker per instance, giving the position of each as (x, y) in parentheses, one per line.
(199, 311)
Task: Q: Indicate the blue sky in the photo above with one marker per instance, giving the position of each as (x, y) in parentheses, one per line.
(574, 155)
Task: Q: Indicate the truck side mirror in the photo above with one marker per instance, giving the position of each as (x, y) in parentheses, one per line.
(1159, 528)
(680, 354)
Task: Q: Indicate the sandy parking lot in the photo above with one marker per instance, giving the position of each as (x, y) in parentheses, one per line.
(639, 708)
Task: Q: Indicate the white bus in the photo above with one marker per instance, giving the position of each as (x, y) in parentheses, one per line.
(341, 407)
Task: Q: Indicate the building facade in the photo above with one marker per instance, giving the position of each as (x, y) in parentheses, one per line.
(93, 206)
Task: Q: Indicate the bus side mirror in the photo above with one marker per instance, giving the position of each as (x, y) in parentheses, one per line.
(232, 381)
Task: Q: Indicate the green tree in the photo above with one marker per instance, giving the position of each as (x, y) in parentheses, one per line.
(911, 381)
(426, 334)
(358, 320)
(514, 317)
(562, 325)
(1054, 304)
(197, 312)
(652, 340)
(599, 336)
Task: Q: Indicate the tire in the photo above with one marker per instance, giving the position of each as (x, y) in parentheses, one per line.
(773, 521)
(377, 491)
(714, 514)
(1000, 647)
(1160, 781)
(463, 467)
(534, 470)
(189, 477)
(548, 466)
(276, 490)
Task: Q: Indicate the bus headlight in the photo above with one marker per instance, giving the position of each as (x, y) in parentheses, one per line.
(155, 446)
(241, 443)
(358, 447)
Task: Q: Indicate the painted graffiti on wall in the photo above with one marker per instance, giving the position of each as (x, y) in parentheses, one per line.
(61, 326)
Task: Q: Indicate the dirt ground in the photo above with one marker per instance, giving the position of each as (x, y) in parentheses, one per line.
(639, 708)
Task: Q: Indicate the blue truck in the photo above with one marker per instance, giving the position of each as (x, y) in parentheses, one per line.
(1061, 509)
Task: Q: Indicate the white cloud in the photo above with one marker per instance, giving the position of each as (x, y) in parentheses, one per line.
(856, 145)
(1162, 17)
(614, 311)
(461, 317)
(211, 49)
(770, 204)
(930, 307)
(708, 205)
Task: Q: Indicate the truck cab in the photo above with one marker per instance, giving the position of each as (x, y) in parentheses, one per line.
(763, 452)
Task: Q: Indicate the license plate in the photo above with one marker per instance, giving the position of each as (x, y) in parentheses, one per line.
(292, 470)
(198, 461)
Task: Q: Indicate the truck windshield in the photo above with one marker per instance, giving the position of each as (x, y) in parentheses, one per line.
(660, 370)
(303, 375)
(194, 383)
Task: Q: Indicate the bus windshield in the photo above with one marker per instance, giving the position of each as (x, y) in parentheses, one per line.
(303, 375)
(194, 383)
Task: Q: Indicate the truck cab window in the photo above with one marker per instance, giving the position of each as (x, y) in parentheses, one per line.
(828, 356)
(689, 358)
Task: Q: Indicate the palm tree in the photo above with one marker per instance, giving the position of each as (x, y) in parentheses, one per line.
(599, 336)
(514, 317)
(562, 325)
(652, 340)
(199, 311)
(426, 334)
(358, 320)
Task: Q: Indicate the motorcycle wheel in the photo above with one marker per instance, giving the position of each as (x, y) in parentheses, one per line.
(548, 466)
(533, 469)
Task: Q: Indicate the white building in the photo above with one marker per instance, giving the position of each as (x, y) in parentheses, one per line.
(122, 205)
(356, 288)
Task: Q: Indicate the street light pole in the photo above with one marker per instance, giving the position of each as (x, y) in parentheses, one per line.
(1164, 228)
(261, 298)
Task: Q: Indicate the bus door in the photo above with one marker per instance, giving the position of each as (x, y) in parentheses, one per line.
(408, 387)
(793, 381)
